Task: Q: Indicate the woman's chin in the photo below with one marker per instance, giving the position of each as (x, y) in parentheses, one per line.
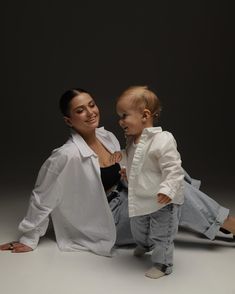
(94, 124)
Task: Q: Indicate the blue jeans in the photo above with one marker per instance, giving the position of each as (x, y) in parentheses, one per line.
(199, 212)
(156, 232)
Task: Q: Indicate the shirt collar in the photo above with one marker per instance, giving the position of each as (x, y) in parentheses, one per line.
(81, 144)
(146, 133)
(152, 130)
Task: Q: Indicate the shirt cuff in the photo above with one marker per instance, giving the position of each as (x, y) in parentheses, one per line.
(30, 239)
(168, 192)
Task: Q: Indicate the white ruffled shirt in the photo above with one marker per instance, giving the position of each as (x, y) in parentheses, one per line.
(153, 166)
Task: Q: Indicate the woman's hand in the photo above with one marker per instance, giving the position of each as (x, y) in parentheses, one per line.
(163, 199)
(15, 247)
(122, 172)
(116, 157)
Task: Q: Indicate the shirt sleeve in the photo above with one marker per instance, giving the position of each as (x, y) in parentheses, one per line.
(170, 165)
(44, 198)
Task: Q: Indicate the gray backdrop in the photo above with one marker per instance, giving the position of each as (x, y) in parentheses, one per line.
(184, 50)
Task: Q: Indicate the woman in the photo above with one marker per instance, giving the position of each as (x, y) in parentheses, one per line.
(75, 182)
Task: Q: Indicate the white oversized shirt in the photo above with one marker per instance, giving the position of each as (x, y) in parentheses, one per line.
(153, 166)
(69, 188)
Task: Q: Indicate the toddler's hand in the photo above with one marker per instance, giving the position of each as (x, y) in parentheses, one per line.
(163, 199)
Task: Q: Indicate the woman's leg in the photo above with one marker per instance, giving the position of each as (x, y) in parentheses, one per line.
(119, 208)
(202, 214)
(199, 213)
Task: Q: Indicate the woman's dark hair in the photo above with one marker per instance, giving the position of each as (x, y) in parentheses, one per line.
(67, 97)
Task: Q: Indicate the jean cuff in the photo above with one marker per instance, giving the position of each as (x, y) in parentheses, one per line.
(214, 228)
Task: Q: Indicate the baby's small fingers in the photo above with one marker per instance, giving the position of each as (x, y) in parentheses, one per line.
(163, 199)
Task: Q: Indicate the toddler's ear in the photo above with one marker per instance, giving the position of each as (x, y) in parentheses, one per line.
(146, 114)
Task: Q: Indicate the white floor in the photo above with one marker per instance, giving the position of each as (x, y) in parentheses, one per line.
(200, 266)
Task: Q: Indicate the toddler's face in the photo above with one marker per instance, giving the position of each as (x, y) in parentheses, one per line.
(131, 119)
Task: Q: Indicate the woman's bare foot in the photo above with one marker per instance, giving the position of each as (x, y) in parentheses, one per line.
(229, 224)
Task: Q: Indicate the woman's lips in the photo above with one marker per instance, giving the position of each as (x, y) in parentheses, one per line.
(92, 119)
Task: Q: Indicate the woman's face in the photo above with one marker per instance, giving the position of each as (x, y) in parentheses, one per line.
(83, 114)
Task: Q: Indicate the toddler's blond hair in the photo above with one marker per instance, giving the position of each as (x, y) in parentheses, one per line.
(143, 98)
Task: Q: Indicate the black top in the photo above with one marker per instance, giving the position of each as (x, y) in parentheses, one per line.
(110, 176)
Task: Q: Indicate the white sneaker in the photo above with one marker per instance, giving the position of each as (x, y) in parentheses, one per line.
(154, 273)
